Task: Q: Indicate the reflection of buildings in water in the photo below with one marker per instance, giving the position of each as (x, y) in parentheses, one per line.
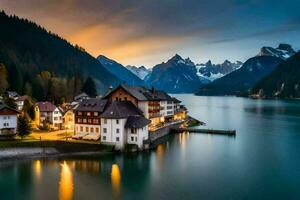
(92, 167)
(37, 169)
(116, 180)
(183, 138)
(66, 182)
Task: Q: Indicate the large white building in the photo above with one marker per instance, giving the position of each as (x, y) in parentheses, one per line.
(123, 123)
(8, 120)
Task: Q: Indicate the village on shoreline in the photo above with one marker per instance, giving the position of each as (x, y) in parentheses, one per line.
(126, 117)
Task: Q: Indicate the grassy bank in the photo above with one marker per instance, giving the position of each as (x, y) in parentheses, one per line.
(61, 146)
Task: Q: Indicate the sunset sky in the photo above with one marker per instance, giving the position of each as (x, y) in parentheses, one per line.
(148, 32)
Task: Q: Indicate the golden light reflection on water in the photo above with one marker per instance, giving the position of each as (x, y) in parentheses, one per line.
(116, 180)
(37, 169)
(66, 183)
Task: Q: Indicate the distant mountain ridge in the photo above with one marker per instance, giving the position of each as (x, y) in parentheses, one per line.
(283, 51)
(141, 72)
(177, 75)
(125, 75)
(240, 81)
(214, 71)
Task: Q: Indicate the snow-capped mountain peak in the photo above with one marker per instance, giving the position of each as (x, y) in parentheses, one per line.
(141, 72)
(283, 51)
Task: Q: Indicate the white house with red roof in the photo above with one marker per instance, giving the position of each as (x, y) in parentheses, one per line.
(20, 102)
(48, 113)
(8, 120)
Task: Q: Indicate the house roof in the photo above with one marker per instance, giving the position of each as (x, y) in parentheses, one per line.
(79, 96)
(46, 106)
(22, 98)
(93, 105)
(143, 94)
(121, 109)
(3, 106)
(12, 94)
(175, 100)
(136, 122)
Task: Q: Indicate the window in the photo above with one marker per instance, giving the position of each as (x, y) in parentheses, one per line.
(117, 121)
(117, 139)
(95, 121)
(136, 139)
(132, 139)
(97, 130)
(95, 114)
(88, 113)
(55, 118)
(79, 113)
(105, 121)
(104, 130)
(56, 112)
(8, 117)
(92, 130)
(81, 128)
(125, 98)
(89, 121)
(86, 129)
(79, 120)
(84, 120)
(117, 130)
(132, 130)
(104, 138)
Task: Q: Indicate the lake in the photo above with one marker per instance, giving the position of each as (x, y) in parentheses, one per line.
(261, 162)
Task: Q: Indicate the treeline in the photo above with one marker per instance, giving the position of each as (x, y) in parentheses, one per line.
(45, 86)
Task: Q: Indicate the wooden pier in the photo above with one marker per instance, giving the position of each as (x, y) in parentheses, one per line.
(205, 131)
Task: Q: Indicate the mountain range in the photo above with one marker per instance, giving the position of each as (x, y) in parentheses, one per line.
(125, 75)
(177, 75)
(239, 82)
(140, 72)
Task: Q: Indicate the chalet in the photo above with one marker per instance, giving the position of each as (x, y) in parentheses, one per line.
(8, 120)
(87, 118)
(68, 119)
(123, 123)
(20, 102)
(48, 114)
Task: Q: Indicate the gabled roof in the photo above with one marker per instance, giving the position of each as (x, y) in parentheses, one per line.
(175, 100)
(136, 122)
(121, 110)
(46, 106)
(93, 105)
(81, 95)
(143, 94)
(3, 106)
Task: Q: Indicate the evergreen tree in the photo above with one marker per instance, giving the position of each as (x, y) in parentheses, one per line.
(3, 79)
(89, 87)
(24, 127)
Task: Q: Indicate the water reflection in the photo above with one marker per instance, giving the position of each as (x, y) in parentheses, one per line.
(88, 166)
(116, 180)
(37, 169)
(66, 182)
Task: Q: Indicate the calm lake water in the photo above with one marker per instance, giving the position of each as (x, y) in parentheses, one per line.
(261, 162)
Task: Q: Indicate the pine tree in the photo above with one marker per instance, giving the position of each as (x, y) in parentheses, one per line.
(89, 87)
(3, 79)
(24, 127)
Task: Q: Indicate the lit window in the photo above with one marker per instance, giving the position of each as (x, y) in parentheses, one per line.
(89, 121)
(95, 114)
(84, 120)
(79, 113)
(88, 114)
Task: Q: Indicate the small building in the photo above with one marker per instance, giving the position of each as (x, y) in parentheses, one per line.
(48, 114)
(87, 118)
(20, 102)
(123, 123)
(12, 94)
(80, 97)
(68, 119)
(8, 120)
